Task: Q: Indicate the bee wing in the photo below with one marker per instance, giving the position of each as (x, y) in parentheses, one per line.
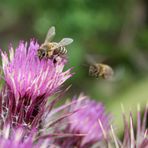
(50, 34)
(65, 42)
(90, 60)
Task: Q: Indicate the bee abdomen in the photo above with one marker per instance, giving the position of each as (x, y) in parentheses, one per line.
(61, 51)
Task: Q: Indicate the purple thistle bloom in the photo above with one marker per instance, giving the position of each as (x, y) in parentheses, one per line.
(86, 121)
(26, 75)
(24, 104)
(29, 82)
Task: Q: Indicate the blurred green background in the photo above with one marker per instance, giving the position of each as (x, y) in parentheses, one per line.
(113, 31)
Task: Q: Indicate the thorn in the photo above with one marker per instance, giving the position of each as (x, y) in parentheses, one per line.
(131, 131)
(146, 133)
(103, 131)
(114, 137)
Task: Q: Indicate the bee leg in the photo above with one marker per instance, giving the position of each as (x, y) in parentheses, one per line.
(55, 59)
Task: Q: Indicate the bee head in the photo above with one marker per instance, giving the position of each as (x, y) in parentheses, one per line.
(92, 70)
(41, 53)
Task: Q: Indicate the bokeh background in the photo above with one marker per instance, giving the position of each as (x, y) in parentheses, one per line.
(114, 32)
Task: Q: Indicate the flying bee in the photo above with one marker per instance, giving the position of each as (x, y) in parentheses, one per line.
(50, 49)
(99, 69)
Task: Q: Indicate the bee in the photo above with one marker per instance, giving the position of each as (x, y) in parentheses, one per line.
(50, 49)
(99, 69)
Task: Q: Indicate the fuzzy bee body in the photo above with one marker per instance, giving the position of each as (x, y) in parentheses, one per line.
(50, 49)
(101, 70)
(46, 50)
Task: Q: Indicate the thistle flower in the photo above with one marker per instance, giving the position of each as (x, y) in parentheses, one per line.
(24, 103)
(137, 139)
(26, 75)
(86, 121)
(29, 82)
